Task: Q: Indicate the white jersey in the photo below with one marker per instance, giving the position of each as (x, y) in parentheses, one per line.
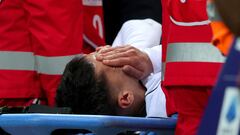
(154, 97)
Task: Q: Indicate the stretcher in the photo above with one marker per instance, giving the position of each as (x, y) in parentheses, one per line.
(57, 124)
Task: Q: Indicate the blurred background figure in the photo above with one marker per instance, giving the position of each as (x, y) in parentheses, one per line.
(223, 107)
(222, 36)
(230, 14)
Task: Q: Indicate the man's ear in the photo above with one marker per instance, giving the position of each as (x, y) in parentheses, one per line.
(125, 99)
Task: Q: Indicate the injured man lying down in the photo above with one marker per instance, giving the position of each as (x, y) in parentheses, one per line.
(90, 86)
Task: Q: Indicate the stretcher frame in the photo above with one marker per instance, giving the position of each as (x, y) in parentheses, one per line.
(45, 124)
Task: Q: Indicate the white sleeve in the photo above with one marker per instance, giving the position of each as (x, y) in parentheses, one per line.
(145, 35)
(155, 55)
(154, 97)
(141, 34)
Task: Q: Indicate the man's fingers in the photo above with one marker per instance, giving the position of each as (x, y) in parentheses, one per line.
(101, 47)
(106, 51)
(131, 71)
(101, 57)
(113, 53)
(117, 55)
(118, 62)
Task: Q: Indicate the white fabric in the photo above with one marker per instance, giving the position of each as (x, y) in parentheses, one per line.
(154, 97)
(144, 33)
(155, 55)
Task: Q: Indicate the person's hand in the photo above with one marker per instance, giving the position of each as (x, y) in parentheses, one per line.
(133, 61)
(101, 48)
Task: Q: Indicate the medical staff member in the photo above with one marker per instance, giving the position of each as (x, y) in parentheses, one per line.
(37, 39)
(191, 62)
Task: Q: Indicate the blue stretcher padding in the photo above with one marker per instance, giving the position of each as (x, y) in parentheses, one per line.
(45, 124)
(227, 79)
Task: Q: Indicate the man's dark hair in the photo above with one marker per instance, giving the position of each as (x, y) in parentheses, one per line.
(82, 90)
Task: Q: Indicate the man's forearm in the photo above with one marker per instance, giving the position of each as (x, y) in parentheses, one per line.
(141, 34)
(155, 55)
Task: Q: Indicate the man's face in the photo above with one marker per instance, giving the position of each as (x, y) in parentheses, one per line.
(120, 85)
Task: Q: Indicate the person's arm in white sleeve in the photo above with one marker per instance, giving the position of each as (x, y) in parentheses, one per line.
(155, 97)
(144, 33)
(155, 55)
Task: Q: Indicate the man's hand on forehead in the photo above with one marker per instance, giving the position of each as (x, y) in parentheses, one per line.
(133, 61)
(102, 48)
